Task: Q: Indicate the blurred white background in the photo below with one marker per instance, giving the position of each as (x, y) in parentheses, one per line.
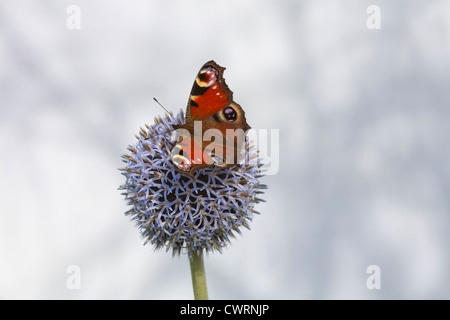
(363, 116)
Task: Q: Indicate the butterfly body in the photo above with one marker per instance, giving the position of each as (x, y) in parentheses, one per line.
(215, 125)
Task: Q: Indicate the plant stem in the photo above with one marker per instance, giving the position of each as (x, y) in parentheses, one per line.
(198, 275)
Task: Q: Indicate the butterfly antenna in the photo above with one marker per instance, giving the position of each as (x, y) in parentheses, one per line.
(161, 105)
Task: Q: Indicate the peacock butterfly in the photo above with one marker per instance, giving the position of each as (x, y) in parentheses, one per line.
(215, 126)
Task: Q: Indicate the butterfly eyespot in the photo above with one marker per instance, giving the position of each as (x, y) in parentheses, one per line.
(182, 163)
(207, 76)
(230, 114)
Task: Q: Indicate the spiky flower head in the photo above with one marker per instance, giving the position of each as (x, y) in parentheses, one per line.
(183, 212)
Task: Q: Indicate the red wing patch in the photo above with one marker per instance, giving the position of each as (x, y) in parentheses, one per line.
(188, 153)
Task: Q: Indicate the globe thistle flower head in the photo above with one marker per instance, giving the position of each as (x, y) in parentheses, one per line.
(187, 212)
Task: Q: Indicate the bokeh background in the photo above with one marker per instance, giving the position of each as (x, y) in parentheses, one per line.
(363, 117)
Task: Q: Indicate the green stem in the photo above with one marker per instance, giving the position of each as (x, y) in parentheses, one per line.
(198, 275)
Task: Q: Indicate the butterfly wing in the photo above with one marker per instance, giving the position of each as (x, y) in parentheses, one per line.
(188, 154)
(209, 93)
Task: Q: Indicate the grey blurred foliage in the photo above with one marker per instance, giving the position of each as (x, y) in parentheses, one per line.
(363, 116)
